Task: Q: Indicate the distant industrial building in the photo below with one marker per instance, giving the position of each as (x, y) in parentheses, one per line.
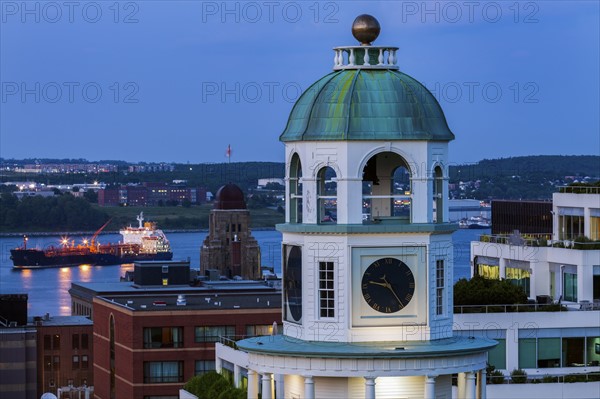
(151, 194)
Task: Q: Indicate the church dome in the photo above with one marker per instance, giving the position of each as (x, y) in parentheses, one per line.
(229, 196)
(367, 104)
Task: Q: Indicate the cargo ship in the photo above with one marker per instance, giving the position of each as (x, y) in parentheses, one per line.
(144, 242)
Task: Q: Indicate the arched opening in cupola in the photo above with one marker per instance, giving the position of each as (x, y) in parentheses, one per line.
(295, 190)
(327, 195)
(387, 192)
(438, 195)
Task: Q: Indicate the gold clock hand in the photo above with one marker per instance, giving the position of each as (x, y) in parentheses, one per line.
(376, 283)
(389, 286)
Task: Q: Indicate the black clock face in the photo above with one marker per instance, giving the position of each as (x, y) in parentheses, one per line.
(388, 285)
(293, 283)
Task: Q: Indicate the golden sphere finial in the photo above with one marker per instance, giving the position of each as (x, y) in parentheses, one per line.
(365, 29)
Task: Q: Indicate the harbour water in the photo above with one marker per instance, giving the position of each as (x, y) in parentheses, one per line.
(48, 289)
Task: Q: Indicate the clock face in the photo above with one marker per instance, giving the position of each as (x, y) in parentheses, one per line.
(293, 283)
(388, 285)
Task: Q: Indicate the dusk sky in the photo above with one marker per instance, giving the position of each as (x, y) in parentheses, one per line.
(178, 81)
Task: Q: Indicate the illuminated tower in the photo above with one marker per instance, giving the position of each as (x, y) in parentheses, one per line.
(367, 246)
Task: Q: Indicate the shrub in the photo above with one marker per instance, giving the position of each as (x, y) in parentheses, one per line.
(549, 379)
(496, 377)
(518, 376)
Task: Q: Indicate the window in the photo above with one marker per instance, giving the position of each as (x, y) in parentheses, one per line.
(527, 353)
(212, 333)
(56, 363)
(548, 352)
(570, 287)
(257, 330)
(439, 284)
(75, 362)
(47, 363)
(163, 337)
(75, 339)
(204, 366)
(161, 372)
(438, 195)
(47, 342)
(519, 277)
(497, 355)
(84, 341)
(56, 341)
(85, 363)
(326, 289)
(573, 352)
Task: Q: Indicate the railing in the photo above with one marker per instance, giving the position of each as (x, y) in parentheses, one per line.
(538, 240)
(515, 308)
(593, 376)
(579, 189)
(365, 57)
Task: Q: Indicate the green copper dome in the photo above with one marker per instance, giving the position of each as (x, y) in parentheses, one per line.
(367, 104)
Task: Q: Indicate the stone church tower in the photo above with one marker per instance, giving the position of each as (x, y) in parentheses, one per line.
(230, 247)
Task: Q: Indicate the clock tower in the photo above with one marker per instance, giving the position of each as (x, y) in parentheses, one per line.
(367, 245)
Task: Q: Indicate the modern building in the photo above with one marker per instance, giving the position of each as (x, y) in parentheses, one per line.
(558, 332)
(367, 301)
(229, 246)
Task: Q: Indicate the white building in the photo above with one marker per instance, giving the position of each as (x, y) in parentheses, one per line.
(367, 267)
(561, 271)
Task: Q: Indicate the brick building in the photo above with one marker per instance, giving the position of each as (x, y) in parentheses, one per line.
(64, 352)
(229, 246)
(150, 345)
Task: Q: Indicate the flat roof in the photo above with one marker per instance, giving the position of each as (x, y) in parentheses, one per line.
(207, 301)
(55, 321)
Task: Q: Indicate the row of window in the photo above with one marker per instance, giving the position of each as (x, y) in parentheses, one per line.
(78, 341)
(167, 372)
(52, 363)
(550, 352)
(172, 337)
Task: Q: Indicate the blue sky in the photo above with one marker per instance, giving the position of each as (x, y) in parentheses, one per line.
(178, 81)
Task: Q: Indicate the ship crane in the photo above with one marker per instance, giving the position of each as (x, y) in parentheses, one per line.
(93, 240)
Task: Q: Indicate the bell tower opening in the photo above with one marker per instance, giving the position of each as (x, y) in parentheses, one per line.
(327, 195)
(295, 190)
(438, 195)
(386, 189)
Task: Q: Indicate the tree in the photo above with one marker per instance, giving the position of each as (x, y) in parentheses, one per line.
(213, 385)
(481, 291)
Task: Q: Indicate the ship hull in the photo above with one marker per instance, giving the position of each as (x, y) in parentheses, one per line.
(37, 259)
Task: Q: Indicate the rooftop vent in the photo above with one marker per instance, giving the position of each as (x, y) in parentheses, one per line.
(181, 301)
(159, 303)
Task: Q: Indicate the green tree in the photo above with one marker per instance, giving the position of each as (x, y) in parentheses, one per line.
(481, 291)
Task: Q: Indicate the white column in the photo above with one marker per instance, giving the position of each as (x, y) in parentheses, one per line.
(429, 387)
(481, 384)
(279, 387)
(309, 388)
(470, 385)
(252, 384)
(218, 365)
(267, 386)
(237, 376)
(370, 387)
(460, 385)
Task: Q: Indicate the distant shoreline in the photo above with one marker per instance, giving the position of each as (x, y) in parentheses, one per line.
(89, 233)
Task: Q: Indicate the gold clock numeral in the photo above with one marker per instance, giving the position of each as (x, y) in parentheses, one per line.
(388, 309)
(367, 297)
(408, 297)
(409, 272)
(364, 286)
(411, 285)
(388, 261)
(376, 307)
